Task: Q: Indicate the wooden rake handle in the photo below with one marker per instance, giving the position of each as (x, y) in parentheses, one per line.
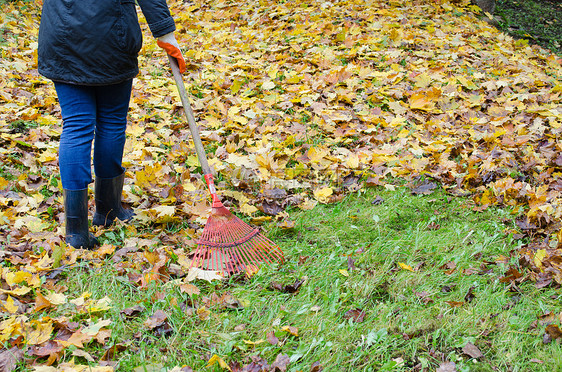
(199, 149)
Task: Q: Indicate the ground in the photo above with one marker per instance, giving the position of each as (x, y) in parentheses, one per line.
(540, 21)
(405, 156)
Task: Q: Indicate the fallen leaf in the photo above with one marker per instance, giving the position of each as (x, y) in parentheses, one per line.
(357, 315)
(472, 351)
(131, 312)
(292, 330)
(9, 359)
(405, 267)
(447, 367)
(156, 319)
(281, 362)
(553, 331)
(215, 359)
(272, 339)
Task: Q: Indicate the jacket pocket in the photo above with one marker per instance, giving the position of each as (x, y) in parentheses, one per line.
(131, 38)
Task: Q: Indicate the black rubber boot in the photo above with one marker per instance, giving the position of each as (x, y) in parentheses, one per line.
(76, 211)
(108, 201)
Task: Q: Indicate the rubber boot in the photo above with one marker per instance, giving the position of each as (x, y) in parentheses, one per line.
(108, 201)
(76, 212)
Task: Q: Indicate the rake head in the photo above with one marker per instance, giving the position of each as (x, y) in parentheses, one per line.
(229, 245)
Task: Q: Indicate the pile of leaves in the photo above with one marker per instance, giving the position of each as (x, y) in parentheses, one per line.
(299, 104)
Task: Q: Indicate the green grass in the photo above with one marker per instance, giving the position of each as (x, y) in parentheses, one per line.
(535, 20)
(400, 330)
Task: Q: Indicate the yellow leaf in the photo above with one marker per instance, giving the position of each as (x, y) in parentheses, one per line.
(235, 87)
(3, 183)
(37, 332)
(308, 204)
(217, 359)
(292, 330)
(94, 328)
(10, 305)
(19, 291)
(268, 85)
(251, 270)
(13, 278)
(253, 343)
(165, 210)
(203, 313)
(56, 298)
(539, 257)
(343, 272)
(405, 267)
(353, 161)
(323, 194)
(58, 254)
(32, 223)
(248, 209)
(101, 305)
(105, 250)
(47, 156)
(208, 275)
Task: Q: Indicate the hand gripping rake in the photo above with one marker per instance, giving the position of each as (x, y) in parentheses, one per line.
(227, 244)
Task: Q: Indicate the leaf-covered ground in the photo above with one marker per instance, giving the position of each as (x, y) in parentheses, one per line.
(299, 104)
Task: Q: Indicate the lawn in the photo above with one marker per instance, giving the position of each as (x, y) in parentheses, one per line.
(383, 280)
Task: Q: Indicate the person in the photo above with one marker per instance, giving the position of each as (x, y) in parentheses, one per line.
(89, 50)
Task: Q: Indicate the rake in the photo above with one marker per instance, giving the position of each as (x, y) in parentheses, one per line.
(227, 244)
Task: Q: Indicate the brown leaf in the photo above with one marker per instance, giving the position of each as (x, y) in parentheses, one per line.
(357, 315)
(47, 349)
(447, 367)
(424, 189)
(470, 295)
(378, 200)
(134, 311)
(511, 275)
(41, 302)
(190, 289)
(280, 363)
(287, 288)
(103, 335)
(433, 226)
(316, 367)
(472, 351)
(275, 193)
(455, 303)
(156, 319)
(351, 264)
(271, 209)
(272, 339)
(553, 331)
(10, 358)
(424, 297)
(112, 351)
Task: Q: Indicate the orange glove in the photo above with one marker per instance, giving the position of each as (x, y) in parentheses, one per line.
(169, 43)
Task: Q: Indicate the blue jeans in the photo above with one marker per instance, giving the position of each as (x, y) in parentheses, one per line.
(92, 113)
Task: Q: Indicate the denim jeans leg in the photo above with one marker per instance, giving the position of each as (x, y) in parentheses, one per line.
(112, 109)
(78, 109)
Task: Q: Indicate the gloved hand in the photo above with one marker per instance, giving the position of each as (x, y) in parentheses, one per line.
(169, 43)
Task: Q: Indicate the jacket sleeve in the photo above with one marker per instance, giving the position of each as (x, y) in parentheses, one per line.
(158, 17)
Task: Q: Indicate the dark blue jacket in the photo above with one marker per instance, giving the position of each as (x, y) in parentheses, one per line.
(96, 42)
